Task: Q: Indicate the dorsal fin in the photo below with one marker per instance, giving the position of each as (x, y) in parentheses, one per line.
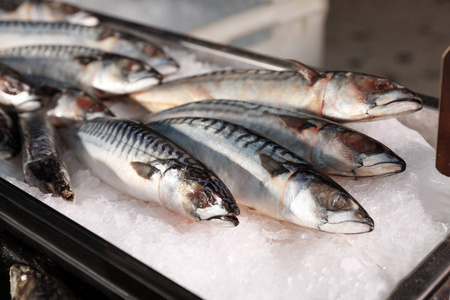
(309, 74)
(272, 166)
(144, 170)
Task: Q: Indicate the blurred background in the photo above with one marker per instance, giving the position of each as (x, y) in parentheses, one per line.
(398, 39)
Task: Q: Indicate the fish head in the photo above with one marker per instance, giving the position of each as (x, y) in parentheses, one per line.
(357, 96)
(123, 75)
(75, 105)
(19, 94)
(315, 201)
(198, 195)
(345, 152)
(155, 56)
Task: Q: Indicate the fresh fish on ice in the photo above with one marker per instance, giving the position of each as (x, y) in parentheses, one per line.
(142, 163)
(17, 92)
(42, 10)
(328, 146)
(88, 68)
(338, 96)
(42, 166)
(9, 136)
(27, 283)
(267, 177)
(19, 33)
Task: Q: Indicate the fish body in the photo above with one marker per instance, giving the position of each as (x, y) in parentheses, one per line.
(267, 177)
(82, 67)
(50, 11)
(18, 33)
(330, 147)
(9, 136)
(17, 92)
(27, 283)
(142, 163)
(42, 166)
(338, 96)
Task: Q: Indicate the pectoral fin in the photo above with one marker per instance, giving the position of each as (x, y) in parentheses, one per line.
(296, 123)
(272, 166)
(144, 170)
(309, 74)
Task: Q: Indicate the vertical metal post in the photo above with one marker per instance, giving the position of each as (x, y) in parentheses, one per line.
(443, 143)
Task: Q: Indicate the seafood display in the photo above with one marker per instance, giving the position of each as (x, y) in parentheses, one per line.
(338, 96)
(45, 10)
(42, 166)
(140, 162)
(328, 146)
(16, 33)
(29, 283)
(88, 68)
(267, 177)
(270, 150)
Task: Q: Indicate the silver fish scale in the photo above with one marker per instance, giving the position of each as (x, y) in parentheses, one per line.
(238, 74)
(126, 136)
(55, 51)
(242, 138)
(90, 31)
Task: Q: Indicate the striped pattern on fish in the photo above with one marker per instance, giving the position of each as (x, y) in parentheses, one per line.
(42, 166)
(17, 33)
(142, 163)
(83, 67)
(339, 96)
(329, 146)
(267, 177)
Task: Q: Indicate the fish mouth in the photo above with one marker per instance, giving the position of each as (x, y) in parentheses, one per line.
(380, 169)
(349, 227)
(142, 83)
(387, 108)
(222, 221)
(166, 66)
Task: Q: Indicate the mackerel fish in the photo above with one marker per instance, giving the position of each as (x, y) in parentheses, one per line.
(338, 96)
(143, 164)
(19, 33)
(328, 146)
(266, 177)
(42, 10)
(92, 69)
(42, 167)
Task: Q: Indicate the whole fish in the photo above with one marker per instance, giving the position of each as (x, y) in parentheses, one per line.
(17, 92)
(18, 33)
(9, 136)
(142, 163)
(41, 10)
(328, 146)
(267, 177)
(42, 166)
(338, 96)
(83, 67)
(27, 283)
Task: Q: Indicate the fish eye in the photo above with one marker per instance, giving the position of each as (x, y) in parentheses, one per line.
(134, 67)
(152, 51)
(69, 9)
(339, 202)
(201, 199)
(381, 85)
